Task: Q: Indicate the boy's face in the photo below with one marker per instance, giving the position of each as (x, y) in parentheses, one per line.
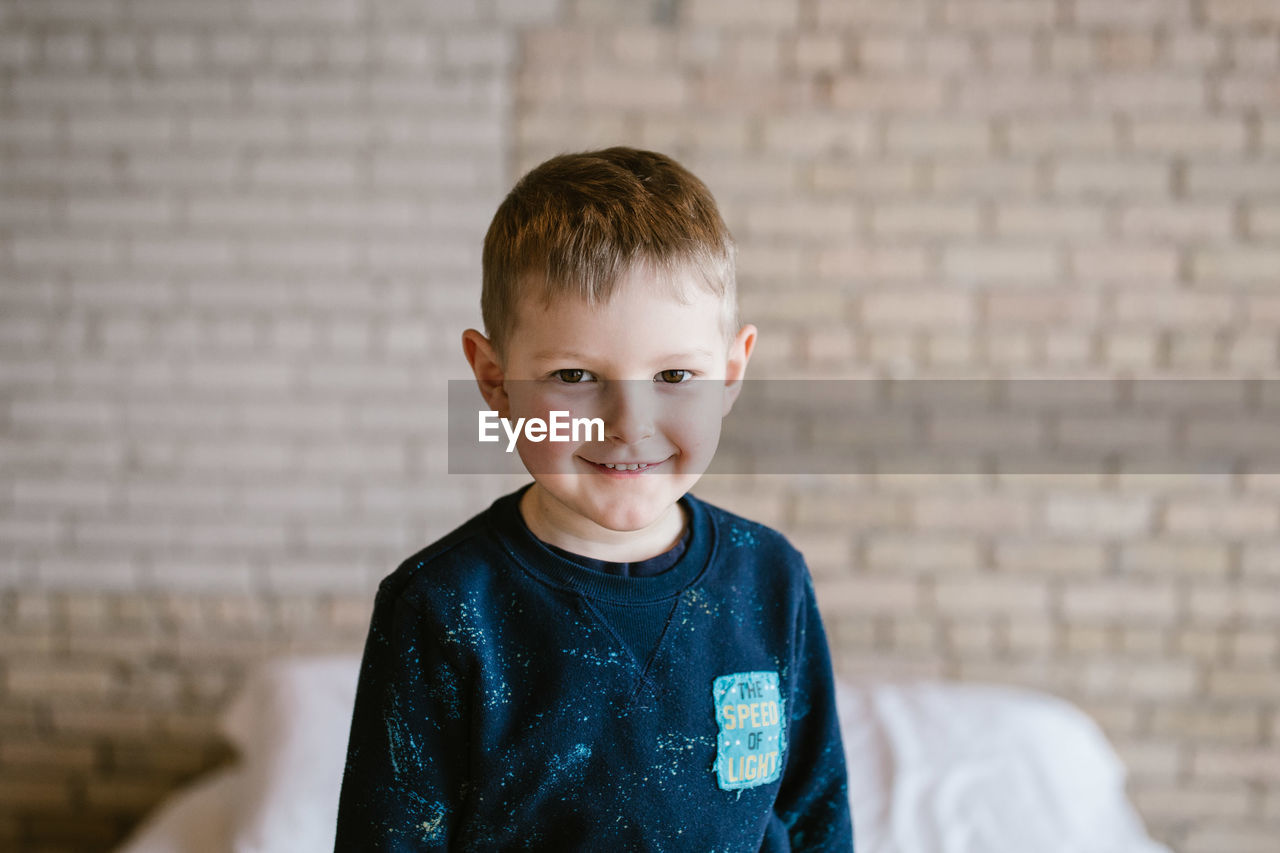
(658, 370)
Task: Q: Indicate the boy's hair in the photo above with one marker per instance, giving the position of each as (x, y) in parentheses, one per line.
(578, 223)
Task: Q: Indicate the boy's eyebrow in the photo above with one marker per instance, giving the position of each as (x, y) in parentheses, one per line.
(573, 355)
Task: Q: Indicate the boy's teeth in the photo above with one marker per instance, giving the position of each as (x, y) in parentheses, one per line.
(634, 467)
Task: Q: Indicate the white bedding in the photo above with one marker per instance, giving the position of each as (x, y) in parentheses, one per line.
(933, 768)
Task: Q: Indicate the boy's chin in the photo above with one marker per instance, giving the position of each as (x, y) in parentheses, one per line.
(624, 513)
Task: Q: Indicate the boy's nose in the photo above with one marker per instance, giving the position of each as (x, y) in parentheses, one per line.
(631, 411)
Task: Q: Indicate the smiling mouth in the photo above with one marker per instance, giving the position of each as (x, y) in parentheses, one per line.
(626, 467)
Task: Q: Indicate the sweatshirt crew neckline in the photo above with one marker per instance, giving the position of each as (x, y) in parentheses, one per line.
(536, 557)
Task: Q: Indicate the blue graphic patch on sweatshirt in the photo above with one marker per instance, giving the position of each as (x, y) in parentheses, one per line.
(752, 740)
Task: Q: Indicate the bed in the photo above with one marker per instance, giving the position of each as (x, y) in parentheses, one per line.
(933, 768)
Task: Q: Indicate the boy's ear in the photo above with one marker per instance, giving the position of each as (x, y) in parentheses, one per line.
(487, 368)
(736, 370)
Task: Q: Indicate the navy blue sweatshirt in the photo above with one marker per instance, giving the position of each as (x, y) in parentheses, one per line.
(511, 698)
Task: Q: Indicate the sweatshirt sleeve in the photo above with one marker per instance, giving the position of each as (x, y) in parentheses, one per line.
(405, 778)
(813, 799)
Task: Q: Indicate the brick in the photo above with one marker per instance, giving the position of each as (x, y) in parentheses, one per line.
(870, 596)
(302, 171)
(29, 130)
(59, 678)
(1232, 518)
(872, 263)
(1154, 91)
(1143, 642)
(1242, 839)
(1178, 309)
(1195, 804)
(1216, 605)
(1062, 220)
(947, 52)
(18, 49)
(921, 554)
(1212, 724)
(1028, 636)
(120, 211)
(938, 135)
(1126, 51)
(1094, 13)
(1193, 49)
(1233, 13)
(1003, 264)
(1018, 94)
(1112, 178)
(1087, 640)
(871, 14)
(1245, 264)
(816, 134)
(917, 308)
(1201, 135)
(64, 250)
(485, 49)
(1191, 558)
(1132, 350)
(1255, 51)
(62, 492)
(1245, 92)
(881, 52)
(999, 15)
(771, 14)
(1264, 220)
(1036, 556)
(68, 90)
(1162, 680)
(813, 52)
(888, 93)
(1149, 265)
(925, 219)
(1125, 601)
(1261, 561)
(1253, 647)
(800, 219)
(1098, 516)
(985, 594)
(182, 169)
(1237, 763)
(870, 179)
(1072, 51)
(1017, 51)
(664, 133)
(1218, 179)
(1185, 222)
(652, 91)
(974, 513)
(985, 178)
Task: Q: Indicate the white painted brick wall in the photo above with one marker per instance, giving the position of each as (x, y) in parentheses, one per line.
(238, 242)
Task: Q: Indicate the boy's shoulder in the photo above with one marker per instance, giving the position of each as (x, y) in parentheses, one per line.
(737, 531)
(465, 550)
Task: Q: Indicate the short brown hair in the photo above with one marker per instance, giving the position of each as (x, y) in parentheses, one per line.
(578, 223)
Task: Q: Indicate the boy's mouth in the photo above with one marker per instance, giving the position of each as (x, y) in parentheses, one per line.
(625, 468)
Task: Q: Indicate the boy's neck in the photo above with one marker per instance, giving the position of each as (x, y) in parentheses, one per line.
(555, 525)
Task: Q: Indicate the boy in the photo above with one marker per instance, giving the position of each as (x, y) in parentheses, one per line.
(600, 661)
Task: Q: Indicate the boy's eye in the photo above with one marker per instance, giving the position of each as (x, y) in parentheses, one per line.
(572, 375)
(674, 377)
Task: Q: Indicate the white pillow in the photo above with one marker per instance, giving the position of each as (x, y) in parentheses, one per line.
(960, 768)
(291, 724)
